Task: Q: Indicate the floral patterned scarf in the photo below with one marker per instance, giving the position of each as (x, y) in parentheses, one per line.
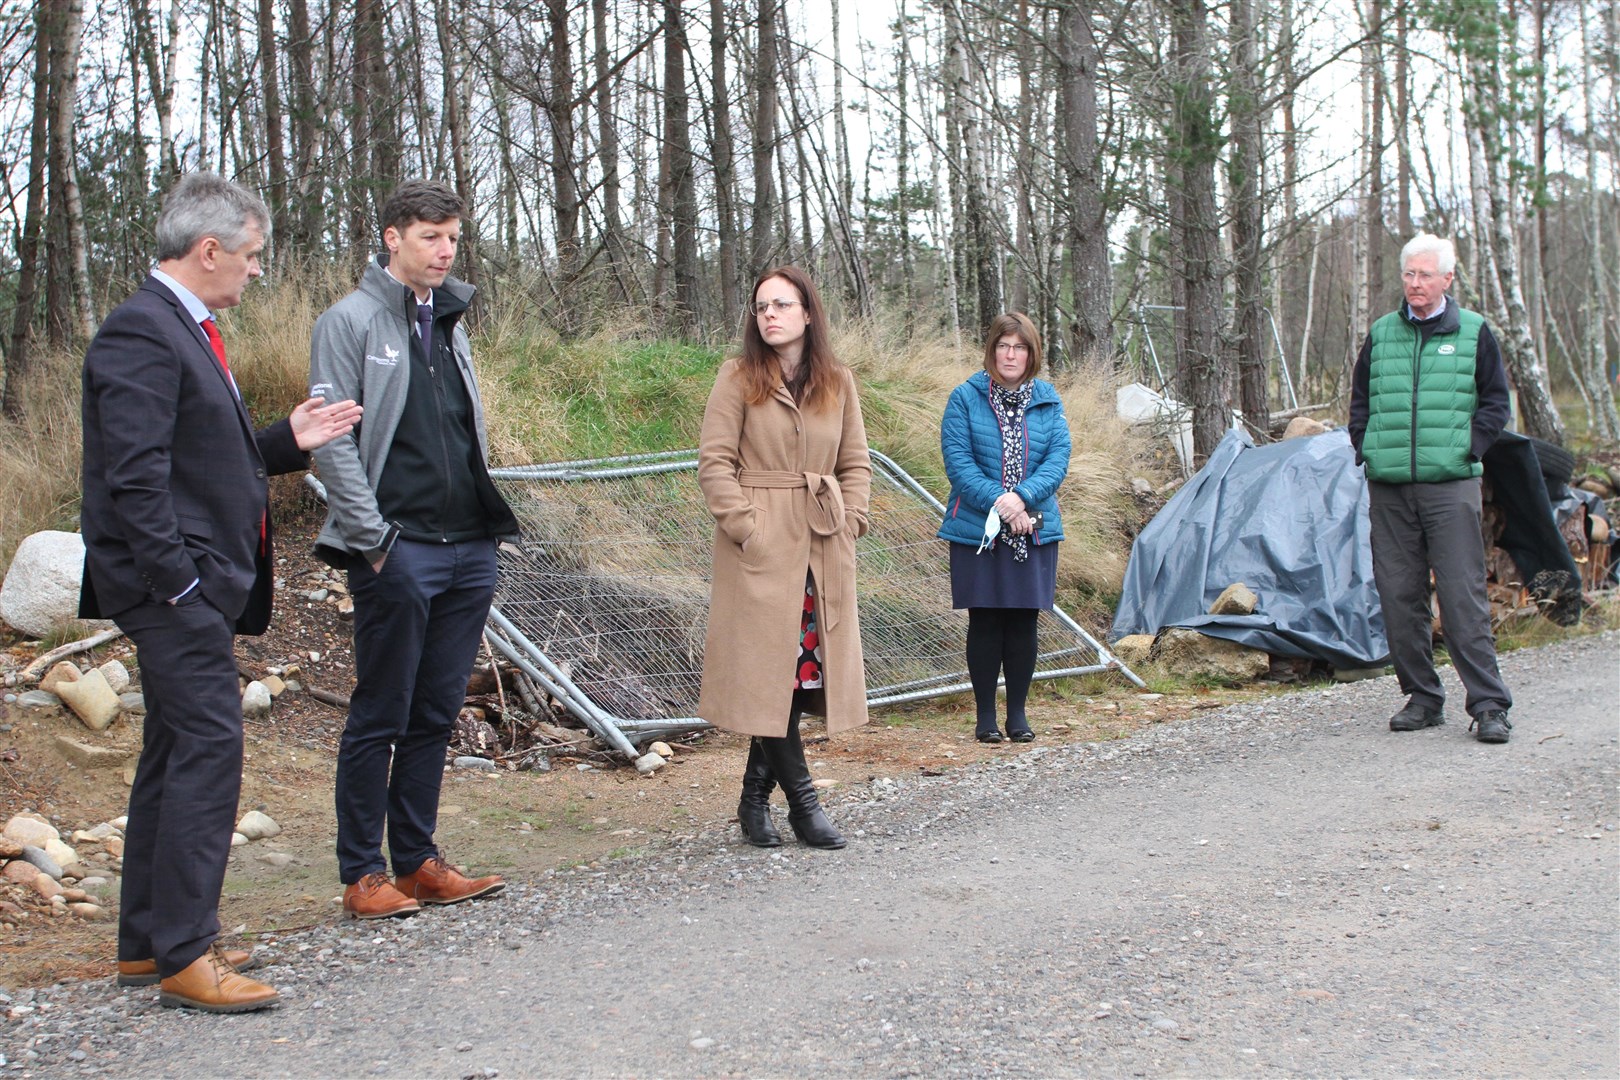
(1010, 404)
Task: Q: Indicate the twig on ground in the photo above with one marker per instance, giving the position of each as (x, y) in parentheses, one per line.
(337, 701)
(1545, 738)
(41, 663)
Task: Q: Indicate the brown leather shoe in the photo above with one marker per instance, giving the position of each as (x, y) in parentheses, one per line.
(145, 972)
(212, 985)
(373, 897)
(437, 882)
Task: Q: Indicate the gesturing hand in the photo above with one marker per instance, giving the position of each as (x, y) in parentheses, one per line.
(315, 423)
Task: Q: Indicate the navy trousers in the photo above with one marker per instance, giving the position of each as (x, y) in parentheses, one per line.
(182, 806)
(417, 627)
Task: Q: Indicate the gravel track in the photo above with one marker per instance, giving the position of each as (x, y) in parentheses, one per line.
(1279, 888)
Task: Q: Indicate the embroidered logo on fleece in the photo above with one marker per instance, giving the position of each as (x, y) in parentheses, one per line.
(389, 358)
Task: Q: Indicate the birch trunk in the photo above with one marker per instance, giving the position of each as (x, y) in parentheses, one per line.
(1603, 420)
(1537, 413)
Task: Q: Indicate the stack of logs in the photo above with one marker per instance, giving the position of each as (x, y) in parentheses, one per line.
(1588, 537)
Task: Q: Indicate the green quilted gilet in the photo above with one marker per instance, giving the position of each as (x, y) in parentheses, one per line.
(1421, 402)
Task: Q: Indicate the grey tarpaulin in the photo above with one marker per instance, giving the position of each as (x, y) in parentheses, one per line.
(1290, 521)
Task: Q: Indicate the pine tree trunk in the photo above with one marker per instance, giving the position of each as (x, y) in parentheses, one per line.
(306, 216)
(762, 242)
(1194, 146)
(565, 195)
(1091, 337)
(725, 167)
(1248, 217)
(683, 184)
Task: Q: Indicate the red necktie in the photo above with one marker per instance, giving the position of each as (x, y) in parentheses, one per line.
(218, 343)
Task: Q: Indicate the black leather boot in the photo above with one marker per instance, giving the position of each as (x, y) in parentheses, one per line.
(754, 808)
(809, 821)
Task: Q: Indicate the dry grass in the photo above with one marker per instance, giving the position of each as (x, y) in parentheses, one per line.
(39, 457)
(619, 391)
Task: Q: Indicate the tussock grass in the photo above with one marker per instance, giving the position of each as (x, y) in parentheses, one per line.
(39, 456)
(267, 338)
(620, 390)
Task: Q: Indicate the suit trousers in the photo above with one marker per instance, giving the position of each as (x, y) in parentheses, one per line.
(182, 806)
(417, 627)
(1417, 528)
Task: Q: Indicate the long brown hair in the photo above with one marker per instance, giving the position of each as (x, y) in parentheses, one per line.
(758, 360)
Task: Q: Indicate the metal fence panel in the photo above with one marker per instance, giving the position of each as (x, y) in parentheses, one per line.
(607, 601)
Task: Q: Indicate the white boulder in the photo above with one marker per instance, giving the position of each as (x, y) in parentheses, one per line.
(41, 590)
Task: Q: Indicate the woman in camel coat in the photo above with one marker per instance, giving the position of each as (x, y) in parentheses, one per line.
(783, 466)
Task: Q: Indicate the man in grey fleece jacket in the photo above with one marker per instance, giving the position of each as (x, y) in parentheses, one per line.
(414, 518)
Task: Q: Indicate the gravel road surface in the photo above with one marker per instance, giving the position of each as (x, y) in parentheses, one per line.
(1280, 888)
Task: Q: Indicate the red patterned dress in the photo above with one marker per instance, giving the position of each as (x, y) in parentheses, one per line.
(807, 673)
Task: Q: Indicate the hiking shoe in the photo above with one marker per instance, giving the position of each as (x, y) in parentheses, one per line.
(1416, 717)
(1491, 726)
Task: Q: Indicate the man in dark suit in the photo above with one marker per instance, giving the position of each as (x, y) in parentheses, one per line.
(177, 552)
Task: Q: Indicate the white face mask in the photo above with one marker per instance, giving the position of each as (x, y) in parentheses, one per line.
(992, 529)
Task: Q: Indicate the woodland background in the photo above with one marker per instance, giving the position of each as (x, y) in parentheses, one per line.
(1228, 183)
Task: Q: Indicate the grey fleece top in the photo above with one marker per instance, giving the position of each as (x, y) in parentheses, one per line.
(361, 350)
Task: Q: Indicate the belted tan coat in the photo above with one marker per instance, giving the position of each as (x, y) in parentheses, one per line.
(789, 491)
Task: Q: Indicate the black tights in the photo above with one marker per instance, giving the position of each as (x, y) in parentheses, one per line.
(1001, 641)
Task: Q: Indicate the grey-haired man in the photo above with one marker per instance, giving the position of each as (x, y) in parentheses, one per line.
(1429, 396)
(177, 552)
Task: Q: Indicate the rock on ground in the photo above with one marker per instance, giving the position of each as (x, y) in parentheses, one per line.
(1191, 654)
(62, 671)
(41, 589)
(256, 825)
(116, 674)
(256, 701)
(86, 756)
(1134, 648)
(28, 829)
(91, 699)
(1236, 599)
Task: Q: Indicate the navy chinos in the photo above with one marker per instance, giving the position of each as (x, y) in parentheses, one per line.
(417, 627)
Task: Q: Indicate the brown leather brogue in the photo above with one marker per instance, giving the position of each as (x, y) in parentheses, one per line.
(211, 984)
(145, 972)
(437, 882)
(374, 897)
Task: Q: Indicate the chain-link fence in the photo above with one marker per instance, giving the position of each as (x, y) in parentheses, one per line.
(606, 603)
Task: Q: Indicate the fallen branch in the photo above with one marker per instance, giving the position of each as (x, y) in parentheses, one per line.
(1545, 738)
(39, 666)
(337, 701)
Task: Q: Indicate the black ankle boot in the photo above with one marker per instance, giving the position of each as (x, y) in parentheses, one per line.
(809, 821)
(754, 808)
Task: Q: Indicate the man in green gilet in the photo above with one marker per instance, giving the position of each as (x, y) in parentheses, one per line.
(1429, 397)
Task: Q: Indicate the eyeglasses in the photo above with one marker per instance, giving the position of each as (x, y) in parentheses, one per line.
(780, 305)
(1419, 275)
(1012, 349)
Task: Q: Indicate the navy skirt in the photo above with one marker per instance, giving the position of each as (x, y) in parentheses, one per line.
(994, 579)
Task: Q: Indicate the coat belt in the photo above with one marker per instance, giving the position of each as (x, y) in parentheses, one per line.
(826, 509)
(826, 518)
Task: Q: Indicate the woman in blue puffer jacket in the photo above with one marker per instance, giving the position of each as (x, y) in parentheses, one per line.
(1005, 442)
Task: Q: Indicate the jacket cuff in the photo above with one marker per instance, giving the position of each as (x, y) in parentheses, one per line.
(384, 546)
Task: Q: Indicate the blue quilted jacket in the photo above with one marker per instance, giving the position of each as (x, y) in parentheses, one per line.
(970, 441)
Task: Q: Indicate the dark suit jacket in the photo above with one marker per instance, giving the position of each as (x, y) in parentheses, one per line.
(175, 477)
